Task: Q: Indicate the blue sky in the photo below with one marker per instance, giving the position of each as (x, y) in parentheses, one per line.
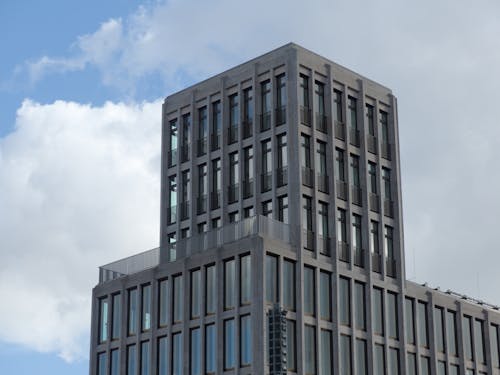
(81, 85)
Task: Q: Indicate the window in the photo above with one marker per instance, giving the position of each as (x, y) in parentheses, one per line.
(439, 328)
(229, 284)
(267, 165)
(283, 209)
(234, 117)
(210, 289)
(234, 177)
(289, 281)
(248, 212)
(246, 280)
(216, 183)
(326, 352)
(145, 358)
(216, 125)
(355, 171)
(281, 92)
(394, 361)
(117, 313)
(162, 356)
(454, 370)
(412, 364)
(186, 137)
(361, 368)
(374, 241)
(304, 91)
(186, 193)
(172, 193)
(345, 355)
(479, 340)
(163, 303)
(389, 242)
(291, 360)
(195, 352)
(309, 291)
(115, 362)
(307, 213)
(337, 106)
(451, 332)
(341, 226)
(248, 106)
(386, 177)
(210, 349)
(103, 319)
(378, 311)
(195, 293)
(101, 364)
(325, 294)
(425, 366)
(384, 123)
(467, 332)
(359, 307)
(245, 340)
(372, 170)
(229, 352)
(132, 311)
(248, 171)
(202, 131)
(202, 188)
(310, 350)
(234, 216)
(146, 307)
(271, 279)
(265, 92)
(495, 343)
(282, 160)
(305, 156)
(353, 118)
(356, 231)
(370, 120)
(319, 98)
(340, 161)
(202, 227)
(392, 318)
(441, 368)
(423, 336)
(185, 232)
(321, 158)
(177, 362)
(267, 209)
(131, 360)
(322, 226)
(216, 223)
(177, 299)
(172, 154)
(344, 301)
(409, 324)
(379, 360)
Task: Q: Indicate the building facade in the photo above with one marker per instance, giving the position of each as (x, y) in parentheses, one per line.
(281, 242)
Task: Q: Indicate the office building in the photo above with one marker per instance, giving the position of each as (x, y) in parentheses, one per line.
(281, 241)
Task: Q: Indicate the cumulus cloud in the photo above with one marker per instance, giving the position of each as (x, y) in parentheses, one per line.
(79, 187)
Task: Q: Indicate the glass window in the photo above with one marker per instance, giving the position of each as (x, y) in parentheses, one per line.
(409, 317)
(172, 194)
(309, 291)
(132, 311)
(177, 361)
(392, 311)
(378, 311)
(337, 106)
(177, 299)
(355, 170)
(234, 113)
(117, 313)
(307, 213)
(494, 336)
(341, 226)
(340, 167)
(146, 307)
(384, 122)
(386, 177)
(321, 158)
(271, 279)
(425, 366)
(103, 320)
(361, 368)
(195, 293)
(374, 241)
(310, 350)
(479, 340)
(210, 349)
(282, 151)
(173, 142)
(186, 132)
(281, 91)
(248, 169)
(101, 364)
(195, 352)
(283, 209)
(323, 231)
(265, 91)
(306, 151)
(245, 340)
(372, 171)
(246, 280)
(325, 295)
(267, 209)
(326, 353)
(291, 360)
(115, 362)
(289, 281)
(439, 328)
(163, 302)
(229, 353)
(353, 118)
(248, 212)
(345, 355)
(162, 356)
(451, 332)
(145, 360)
(202, 185)
(467, 332)
(359, 307)
(304, 91)
(267, 160)
(211, 289)
(423, 336)
(234, 172)
(356, 232)
(454, 370)
(344, 301)
(217, 118)
(412, 364)
(131, 360)
(229, 284)
(319, 97)
(203, 128)
(248, 105)
(394, 361)
(379, 360)
(441, 368)
(234, 216)
(370, 120)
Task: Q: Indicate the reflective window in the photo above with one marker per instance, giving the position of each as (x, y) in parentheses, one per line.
(146, 307)
(305, 156)
(394, 361)
(494, 336)
(163, 303)
(210, 290)
(229, 352)
(173, 142)
(384, 122)
(467, 333)
(370, 120)
(345, 355)
(145, 360)
(271, 279)
(372, 171)
(341, 226)
(217, 118)
(392, 311)
(309, 291)
(379, 360)
(425, 366)
(117, 313)
(340, 164)
(289, 280)
(291, 359)
(325, 296)
(451, 332)
(248, 105)
(322, 226)
(326, 353)
(177, 362)
(195, 293)
(103, 319)
(234, 113)
(337, 106)
(423, 335)
(454, 370)
(131, 360)
(359, 305)
(281, 91)
(162, 356)
(439, 328)
(307, 213)
(374, 242)
(210, 349)
(361, 368)
(245, 340)
(246, 280)
(344, 301)
(282, 151)
(355, 171)
(229, 284)
(353, 118)
(101, 364)
(283, 209)
(441, 368)
(479, 340)
(265, 90)
(195, 352)
(304, 91)
(172, 193)
(319, 97)
(378, 311)
(177, 299)
(115, 362)
(132, 311)
(409, 320)
(310, 350)
(411, 364)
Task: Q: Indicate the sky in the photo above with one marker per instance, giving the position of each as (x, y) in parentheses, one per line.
(81, 86)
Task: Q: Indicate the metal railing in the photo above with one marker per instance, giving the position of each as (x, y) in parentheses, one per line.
(305, 116)
(307, 176)
(185, 151)
(265, 121)
(247, 128)
(356, 195)
(130, 265)
(386, 151)
(354, 137)
(339, 130)
(266, 181)
(172, 157)
(322, 180)
(371, 142)
(215, 141)
(321, 122)
(202, 146)
(280, 115)
(281, 176)
(341, 190)
(233, 131)
(374, 202)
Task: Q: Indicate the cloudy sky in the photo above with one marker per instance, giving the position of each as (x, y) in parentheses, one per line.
(81, 85)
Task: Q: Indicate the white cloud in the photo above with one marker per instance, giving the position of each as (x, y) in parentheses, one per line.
(79, 187)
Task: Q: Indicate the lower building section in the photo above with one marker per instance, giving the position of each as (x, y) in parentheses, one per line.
(257, 306)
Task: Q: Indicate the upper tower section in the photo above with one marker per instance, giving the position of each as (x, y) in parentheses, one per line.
(295, 137)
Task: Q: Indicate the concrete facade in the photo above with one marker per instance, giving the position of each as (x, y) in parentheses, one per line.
(319, 220)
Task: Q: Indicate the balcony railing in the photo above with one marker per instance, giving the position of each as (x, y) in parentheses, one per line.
(280, 115)
(307, 176)
(374, 202)
(184, 206)
(386, 151)
(321, 122)
(232, 135)
(343, 251)
(322, 182)
(371, 142)
(266, 181)
(388, 208)
(215, 141)
(265, 121)
(354, 137)
(308, 239)
(341, 190)
(255, 225)
(201, 204)
(339, 130)
(305, 116)
(282, 176)
(376, 262)
(247, 128)
(356, 195)
(172, 157)
(185, 151)
(233, 193)
(390, 267)
(324, 245)
(215, 199)
(171, 215)
(248, 188)
(359, 257)
(202, 146)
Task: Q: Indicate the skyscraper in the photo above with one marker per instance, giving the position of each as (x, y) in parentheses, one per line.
(281, 241)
